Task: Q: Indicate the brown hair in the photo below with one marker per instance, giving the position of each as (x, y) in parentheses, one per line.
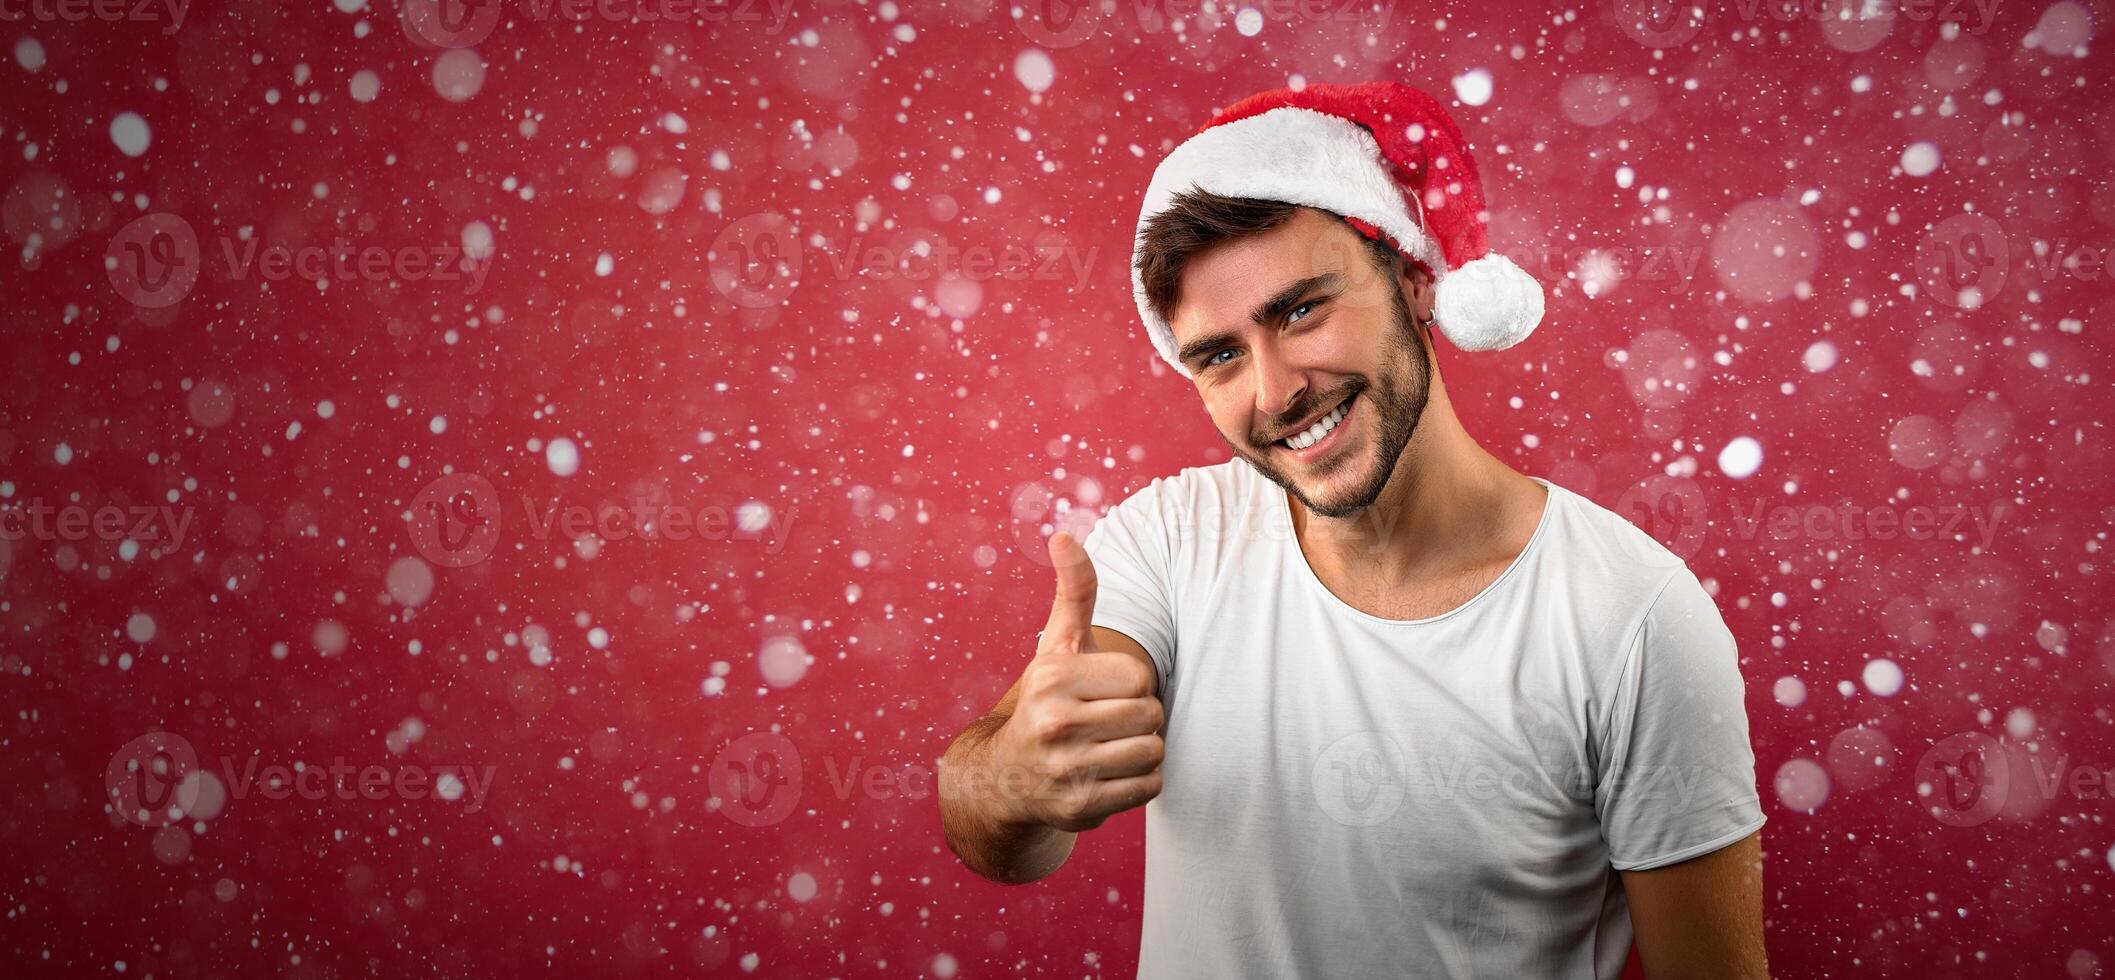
(1197, 220)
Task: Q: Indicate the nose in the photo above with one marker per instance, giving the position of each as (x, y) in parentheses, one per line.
(1279, 385)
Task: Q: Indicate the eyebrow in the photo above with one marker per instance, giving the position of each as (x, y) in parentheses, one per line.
(1269, 311)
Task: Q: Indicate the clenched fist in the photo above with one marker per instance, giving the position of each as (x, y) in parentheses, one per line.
(1087, 723)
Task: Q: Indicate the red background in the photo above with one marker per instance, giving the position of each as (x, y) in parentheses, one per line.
(919, 436)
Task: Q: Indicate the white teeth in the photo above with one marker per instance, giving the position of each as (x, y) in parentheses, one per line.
(1314, 433)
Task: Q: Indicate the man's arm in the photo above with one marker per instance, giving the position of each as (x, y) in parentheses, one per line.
(978, 833)
(1701, 919)
(1073, 742)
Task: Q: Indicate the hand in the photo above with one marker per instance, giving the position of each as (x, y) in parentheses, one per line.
(1086, 727)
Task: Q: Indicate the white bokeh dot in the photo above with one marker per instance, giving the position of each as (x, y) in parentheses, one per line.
(1034, 70)
(1741, 458)
(129, 131)
(1883, 677)
(1473, 87)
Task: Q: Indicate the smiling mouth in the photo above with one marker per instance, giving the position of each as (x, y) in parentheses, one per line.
(1308, 442)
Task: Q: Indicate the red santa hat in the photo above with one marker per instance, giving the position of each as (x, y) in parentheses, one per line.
(1385, 157)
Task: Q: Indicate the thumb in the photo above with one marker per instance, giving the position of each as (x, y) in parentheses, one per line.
(1072, 613)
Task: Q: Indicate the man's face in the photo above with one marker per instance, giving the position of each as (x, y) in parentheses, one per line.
(1297, 326)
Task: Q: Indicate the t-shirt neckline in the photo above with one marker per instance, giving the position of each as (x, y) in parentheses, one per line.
(1307, 571)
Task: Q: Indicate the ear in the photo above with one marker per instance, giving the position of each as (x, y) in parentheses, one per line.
(1418, 293)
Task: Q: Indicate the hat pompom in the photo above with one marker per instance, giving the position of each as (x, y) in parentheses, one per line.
(1487, 303)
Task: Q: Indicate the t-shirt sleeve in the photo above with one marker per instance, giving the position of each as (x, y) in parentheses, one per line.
(1132, 554)
(1676, 775)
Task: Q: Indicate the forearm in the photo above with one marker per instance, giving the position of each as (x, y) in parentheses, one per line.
(974, 816)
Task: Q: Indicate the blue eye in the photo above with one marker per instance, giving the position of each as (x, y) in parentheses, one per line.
(1299, 312)
(1214, 359)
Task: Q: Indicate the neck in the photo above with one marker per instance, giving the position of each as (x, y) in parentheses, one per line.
(1448, 505)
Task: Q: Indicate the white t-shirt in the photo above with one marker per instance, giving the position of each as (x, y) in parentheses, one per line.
(1348, 796)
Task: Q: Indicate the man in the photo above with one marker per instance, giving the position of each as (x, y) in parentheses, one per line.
(1399, 710)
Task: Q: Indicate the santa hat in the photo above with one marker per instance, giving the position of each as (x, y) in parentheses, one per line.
(1386, 158)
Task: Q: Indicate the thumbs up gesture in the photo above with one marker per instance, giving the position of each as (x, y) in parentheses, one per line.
(1087, 723)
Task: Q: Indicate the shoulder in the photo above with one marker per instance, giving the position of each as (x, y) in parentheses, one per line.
(1197, 518)
(1618, 545)
(1650, 628)
(1200, 493)
(1600, 546)
(1629, 581)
